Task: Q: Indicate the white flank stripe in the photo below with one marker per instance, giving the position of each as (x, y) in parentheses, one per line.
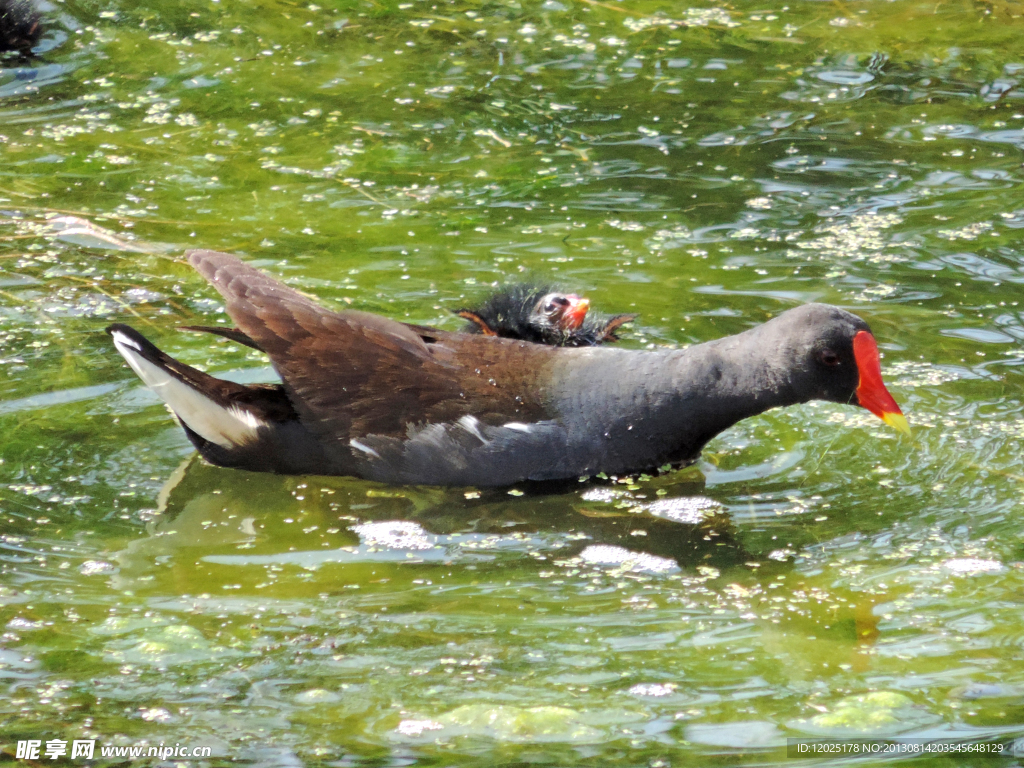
(364, 448)
(227, 427)
(471, 425)
(517, 425)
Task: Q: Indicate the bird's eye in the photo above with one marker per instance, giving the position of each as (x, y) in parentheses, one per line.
(555, 305)
(828, 357)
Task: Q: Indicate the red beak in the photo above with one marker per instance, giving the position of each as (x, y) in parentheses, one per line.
(575, 313)
(871, 392)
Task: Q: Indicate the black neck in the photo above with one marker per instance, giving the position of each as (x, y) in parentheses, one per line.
(667, 406)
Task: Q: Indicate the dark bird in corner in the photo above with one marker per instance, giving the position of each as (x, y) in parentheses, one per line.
(543, 315)
(367, 396)
(21, 26)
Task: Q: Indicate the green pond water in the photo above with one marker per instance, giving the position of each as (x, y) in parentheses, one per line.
(708, 166)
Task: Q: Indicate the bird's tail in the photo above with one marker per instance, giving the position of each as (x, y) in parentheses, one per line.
(203, 404)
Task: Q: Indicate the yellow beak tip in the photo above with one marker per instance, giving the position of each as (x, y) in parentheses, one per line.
(898, 422)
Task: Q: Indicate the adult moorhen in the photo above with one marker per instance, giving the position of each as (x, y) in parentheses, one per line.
(543, 315)
(367, 396)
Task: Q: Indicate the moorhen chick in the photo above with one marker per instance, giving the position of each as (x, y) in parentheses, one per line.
(21, 26)
(543, 315)
(367, 396)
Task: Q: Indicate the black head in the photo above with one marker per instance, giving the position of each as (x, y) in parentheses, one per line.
(832, 355)
(558, 314)
(536, 313)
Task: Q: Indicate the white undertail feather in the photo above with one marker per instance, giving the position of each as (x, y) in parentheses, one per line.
(364, 448)
(227, 427)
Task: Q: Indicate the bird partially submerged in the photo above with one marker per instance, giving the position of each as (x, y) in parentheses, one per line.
(543, 315)
(365, 395)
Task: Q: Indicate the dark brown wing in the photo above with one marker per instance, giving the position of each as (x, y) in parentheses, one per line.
(425, 332)
(353, 373)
